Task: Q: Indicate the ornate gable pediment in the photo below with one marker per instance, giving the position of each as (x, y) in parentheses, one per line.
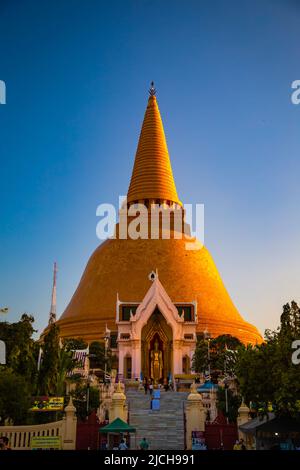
(157, 297)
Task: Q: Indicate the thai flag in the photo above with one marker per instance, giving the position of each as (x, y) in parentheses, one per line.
(79, 355)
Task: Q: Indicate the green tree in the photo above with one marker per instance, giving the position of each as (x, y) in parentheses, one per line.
(233, 403)
(21, 349)
(223, 353)
(219, 353)
(266, 373)
(66, 364)
(81, 394)
(200, 359)
(49, 368)
(98, 358)
(255, 383)
(56, 362)
(15, 397)
(72, 344)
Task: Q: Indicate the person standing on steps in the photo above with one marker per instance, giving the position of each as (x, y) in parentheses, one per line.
(237, 445)
(146, 386)
(151, 388)
(4, 443)
(144, 444)
(122, 445)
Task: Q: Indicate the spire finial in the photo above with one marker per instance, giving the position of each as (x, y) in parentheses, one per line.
(152, 176)
(152, 90)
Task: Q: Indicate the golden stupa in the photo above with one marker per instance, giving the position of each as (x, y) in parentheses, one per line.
(119, 268)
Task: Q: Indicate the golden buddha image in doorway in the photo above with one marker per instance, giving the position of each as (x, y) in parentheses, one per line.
(156, 362)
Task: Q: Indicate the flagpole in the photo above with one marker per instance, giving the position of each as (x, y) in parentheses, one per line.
(226, 392)
(39, 358)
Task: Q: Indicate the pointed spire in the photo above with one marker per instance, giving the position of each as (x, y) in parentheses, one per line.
(152, 176)
(52, 315)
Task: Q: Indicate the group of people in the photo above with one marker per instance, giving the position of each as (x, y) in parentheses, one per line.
(4, 443)
(148, 385)
(144, 444)
(239, 445)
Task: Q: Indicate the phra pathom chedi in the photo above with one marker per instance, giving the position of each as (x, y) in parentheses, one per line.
(153, 294)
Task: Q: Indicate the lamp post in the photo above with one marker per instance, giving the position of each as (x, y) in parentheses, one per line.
(226, 389)
(106, 339)
(207, 337)
(89, 380)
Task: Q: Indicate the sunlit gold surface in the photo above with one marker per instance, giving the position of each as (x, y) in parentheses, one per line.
(122, 266)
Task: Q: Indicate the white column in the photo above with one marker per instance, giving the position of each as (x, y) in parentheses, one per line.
(121, 359)
(195, 420)
(69, 427)
(118, 407)
(136, 359)
(243, 417)
(177, 357)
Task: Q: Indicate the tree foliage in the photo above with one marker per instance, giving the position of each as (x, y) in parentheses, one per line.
(49, 368)
(86, 399)
(266, 373)
(21, 349)
(200, 359)
(15, 397)
(57, 360)
(20, 378)
(233, 403)
(98, 358)
(218, 353)
(72, 344)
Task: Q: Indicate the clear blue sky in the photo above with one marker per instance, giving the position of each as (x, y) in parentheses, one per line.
(77, 74)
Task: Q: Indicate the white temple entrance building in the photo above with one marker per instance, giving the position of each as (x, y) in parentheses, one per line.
(156, 338)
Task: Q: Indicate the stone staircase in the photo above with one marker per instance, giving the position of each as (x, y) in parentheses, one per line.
(163, 429)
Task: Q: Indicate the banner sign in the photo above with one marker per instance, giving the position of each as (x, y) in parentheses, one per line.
(48, 404)
(45, 442)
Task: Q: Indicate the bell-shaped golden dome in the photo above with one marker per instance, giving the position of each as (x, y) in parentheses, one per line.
(121, 268)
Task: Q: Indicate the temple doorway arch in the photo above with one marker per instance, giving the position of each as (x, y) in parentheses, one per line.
(186, 365)
(157, 348)
(127, 367)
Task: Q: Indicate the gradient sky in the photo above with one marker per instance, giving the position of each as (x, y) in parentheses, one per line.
(77, 74)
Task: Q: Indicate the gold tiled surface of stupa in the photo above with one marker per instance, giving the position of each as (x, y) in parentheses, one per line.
(123, 266)
(152, 176)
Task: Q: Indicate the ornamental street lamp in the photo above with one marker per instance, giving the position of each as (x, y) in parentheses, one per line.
(207, 336)
(226, 388)
(228, 376)
(89, 380)
(106, 339)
